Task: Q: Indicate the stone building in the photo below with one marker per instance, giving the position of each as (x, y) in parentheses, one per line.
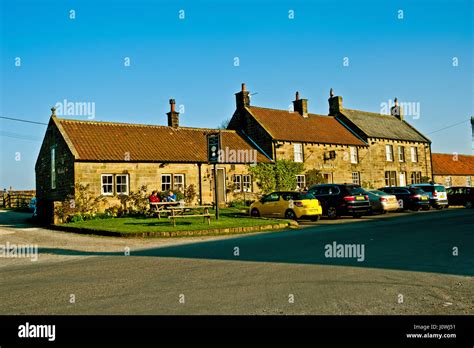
(346, 146)
(117, 158)
(453, 169)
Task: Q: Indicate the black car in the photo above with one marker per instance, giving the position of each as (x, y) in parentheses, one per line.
(341, 199)
(411, 198)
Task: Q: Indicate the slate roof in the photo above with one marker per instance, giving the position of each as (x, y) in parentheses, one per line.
(383, 126)
(109, 141)
(446, 164)
(291, 126)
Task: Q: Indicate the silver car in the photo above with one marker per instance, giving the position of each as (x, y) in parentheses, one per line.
(382, 202)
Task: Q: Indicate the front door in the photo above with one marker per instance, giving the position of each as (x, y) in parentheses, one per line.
(221, 187)
(403, 181)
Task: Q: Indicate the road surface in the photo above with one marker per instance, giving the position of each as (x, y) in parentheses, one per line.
(420, 263)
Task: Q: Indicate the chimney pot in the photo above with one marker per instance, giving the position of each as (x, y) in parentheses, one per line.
(173, 116)
(53, 112)
(300, 105)
(396, 110)
(242, 98)
(335, 105)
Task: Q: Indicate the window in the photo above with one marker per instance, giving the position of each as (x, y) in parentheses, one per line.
(300, 182)
(165, 182)
(449, 181)
(415, 178)
(247, 179)
(237, 183)
(178, 182)
(121, 184)
(107, 184)
(298, 149)
(414, 154)
(53, 167)
(272, 197)
(389, 153)
(468, 181)
(354, 155)
(391, 178)
(356, 178)
(401, 154)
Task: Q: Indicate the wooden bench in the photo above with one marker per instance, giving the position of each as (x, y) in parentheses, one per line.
(179, 212)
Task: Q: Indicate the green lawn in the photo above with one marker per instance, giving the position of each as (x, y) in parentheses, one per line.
(228, 218)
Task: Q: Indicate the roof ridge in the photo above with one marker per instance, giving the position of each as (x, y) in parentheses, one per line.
(367, 112)
(451, 154)
(291, 112)
(141, 125)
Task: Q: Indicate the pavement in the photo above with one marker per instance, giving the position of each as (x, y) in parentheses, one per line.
(413, 263)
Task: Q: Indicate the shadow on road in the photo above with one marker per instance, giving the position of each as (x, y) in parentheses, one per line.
(412, 243)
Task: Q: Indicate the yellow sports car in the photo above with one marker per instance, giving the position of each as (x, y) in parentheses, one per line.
(287, 204)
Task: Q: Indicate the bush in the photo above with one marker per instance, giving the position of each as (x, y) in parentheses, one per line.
(82, 203)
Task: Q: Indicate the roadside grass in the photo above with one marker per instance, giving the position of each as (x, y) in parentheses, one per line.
(228, 218)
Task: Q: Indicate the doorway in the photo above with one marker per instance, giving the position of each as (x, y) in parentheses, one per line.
(403, 180)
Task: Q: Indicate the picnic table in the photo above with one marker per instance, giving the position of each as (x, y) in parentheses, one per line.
(161, 207)
(182, 211)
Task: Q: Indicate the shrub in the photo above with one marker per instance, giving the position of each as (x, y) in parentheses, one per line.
(189, 194)
(82, 203)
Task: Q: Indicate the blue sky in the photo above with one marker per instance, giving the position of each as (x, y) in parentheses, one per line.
(192, 60)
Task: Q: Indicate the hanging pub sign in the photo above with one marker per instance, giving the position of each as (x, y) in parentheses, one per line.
(213, 147)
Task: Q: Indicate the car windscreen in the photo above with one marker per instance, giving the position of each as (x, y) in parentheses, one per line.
(379, 193)
(440, 188)
(356, 190)
(417, 191)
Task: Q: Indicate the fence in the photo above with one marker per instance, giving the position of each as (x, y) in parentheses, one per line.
(16, 199)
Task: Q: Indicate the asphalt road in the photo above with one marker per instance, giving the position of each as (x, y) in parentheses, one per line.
(408, 267)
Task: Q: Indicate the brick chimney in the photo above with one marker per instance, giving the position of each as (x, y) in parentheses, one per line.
(335, 103)
(396, 110)
(173, 115)
(300, 105)
(242, 99)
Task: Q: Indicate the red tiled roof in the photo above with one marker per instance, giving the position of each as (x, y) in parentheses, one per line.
(109, 141)
(291, 126)
(451, 164)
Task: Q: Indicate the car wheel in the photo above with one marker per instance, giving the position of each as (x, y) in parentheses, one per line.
(357, 216)
(439, 207)
(468, 205)
(315, 218)
(415, 208)
(290, 214)
(332, 213)
(426, 208)
(384, 211)
(255, 212)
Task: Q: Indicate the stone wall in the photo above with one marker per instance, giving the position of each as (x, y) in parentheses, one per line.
(372, 163)
(64, 172)
(149, 174)
(454, 180)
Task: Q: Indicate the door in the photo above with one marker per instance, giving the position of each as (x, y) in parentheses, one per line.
(271, 205)
(403, 181)
(221, 186)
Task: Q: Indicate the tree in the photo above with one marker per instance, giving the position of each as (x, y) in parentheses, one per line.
(314, 177)
(278, 176)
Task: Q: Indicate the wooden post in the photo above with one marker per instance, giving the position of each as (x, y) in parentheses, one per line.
(216, 196)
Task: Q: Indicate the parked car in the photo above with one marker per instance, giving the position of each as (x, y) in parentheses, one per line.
(32, 206)
(411, 198)
(461, 195)
(287, 204)
(341, 199)
(437, 194)
(382, 202)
